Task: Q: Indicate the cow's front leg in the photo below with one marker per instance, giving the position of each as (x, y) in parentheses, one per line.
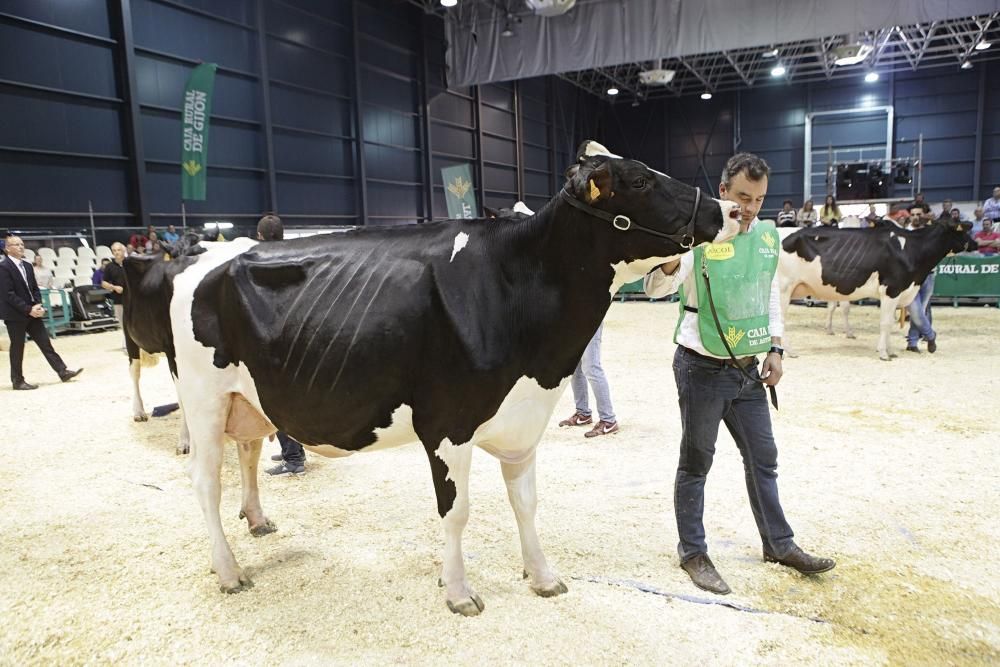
(520, 480)
(138, 411)
(887, 316)
(206, 423)
(831, 307)
(450, 466)
(184, 439)
(250, 509)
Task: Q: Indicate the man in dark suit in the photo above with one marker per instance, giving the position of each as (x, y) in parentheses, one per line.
(22, 312)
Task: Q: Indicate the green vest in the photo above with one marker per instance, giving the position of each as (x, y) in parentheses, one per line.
(741, 272)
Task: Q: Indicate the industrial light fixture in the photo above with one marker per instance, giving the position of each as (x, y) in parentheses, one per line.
(966, 65)
(982, 46)
(871, 77)
(449, 3)
(772, 53)
(706, 95)
(507, 30)
(852, 53)
(612, 91)
(778, 70)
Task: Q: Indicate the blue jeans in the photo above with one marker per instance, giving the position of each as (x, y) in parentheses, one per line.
(590, 369)
(291, 451)
(920, 314)
(709, 393)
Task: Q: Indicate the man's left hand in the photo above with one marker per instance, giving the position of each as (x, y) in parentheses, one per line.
(770, 371)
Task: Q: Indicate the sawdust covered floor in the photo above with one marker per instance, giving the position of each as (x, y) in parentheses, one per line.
(892, 468)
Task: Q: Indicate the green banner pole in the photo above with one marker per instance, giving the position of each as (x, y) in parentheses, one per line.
(194, 150)
(458, 191)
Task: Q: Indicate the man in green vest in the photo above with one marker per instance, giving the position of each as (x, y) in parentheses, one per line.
(716, 370)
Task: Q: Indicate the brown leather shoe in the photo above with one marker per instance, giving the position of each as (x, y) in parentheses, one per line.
(578, 419)
(602, 428)
(797, 559)
(21, 385)
(704, 575)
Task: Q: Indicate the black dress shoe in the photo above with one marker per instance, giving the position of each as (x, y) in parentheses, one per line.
(932, 346)
(704, 575)
(68, 375)
(24, 386)
(797, 559)
(914, 348)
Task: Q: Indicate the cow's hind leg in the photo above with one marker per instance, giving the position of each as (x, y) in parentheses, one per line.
(250, 509)
(206, 420)
(450, 466)
(831, 307)
(847, 320)
(520, 480)
(138, 410)
(184, 439)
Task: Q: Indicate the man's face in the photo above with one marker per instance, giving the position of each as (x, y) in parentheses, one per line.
(748, 194)
(987, 226)
(118, 251)
(170, 228)
(955, 215)
(920, 197)
(996, 193)
(15, 247)
(946, 206)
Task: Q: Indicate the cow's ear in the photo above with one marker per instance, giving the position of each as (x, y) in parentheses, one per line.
(490, 213)
(571, 171)
(599, 183)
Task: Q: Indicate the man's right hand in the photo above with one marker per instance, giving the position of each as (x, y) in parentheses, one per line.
(670, 268)
(37, 311)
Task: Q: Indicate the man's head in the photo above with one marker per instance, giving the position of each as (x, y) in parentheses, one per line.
(170, 228)
(150, 229)
(978, 213)
(744, 181)
(269, 228)
(118, 251)
(956, 214)
(996, 192)
(919, 198)
(946, 206)
(987, 225)
(916, 212)
(106, 261)
(15, 247)
(786, 205)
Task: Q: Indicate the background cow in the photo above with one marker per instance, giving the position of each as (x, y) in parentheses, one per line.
(886, 263)
(456, 334)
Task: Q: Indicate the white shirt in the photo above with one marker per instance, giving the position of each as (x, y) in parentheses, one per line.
(656, 284)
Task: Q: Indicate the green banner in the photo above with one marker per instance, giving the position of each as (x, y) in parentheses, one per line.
(458, 191)
(194, 150)
(968, 275)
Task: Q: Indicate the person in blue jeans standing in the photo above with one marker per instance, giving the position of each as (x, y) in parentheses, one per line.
(590, 370)
(921, 318)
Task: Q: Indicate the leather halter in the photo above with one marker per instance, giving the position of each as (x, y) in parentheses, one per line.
(624, 223)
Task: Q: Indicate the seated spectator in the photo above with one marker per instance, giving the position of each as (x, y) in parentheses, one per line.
(945, 213)
(872, 218)
(918, 202)
(43, 276)
(988, 239)
(136, 244)
(152, 243)
(830, 214)
(786, 216)
(918, 219)
(807, 216)
(170, 236)
(98, 276)
(977, 220)
(900, 218)
(991, 207)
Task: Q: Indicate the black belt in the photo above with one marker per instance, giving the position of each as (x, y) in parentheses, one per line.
(739, 362)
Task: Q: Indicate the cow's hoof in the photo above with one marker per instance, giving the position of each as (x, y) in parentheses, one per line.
(140, 417)
(262, 529)
(243, 584)
(551, 589)
(182, 450)
(829, 332)
(893, 355)
(851, 336)
(470, 606)
(885, 358)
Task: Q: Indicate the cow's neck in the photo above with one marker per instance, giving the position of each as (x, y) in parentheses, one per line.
(932, 246)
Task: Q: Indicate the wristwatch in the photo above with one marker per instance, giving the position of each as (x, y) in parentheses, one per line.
(780, 351)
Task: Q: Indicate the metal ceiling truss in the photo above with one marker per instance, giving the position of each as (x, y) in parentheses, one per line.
(895, 48)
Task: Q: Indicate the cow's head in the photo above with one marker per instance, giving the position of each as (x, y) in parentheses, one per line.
(651, 216)
(959, 235)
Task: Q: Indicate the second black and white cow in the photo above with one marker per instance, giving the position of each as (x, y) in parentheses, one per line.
(454, 334)
(886, 263)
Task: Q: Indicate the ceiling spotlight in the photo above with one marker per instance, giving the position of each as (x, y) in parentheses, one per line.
(612, 91)
(851, 54)
(778, 70)
(982, 46)
(871, 77)
(635, 102)
(966, 65)
(773, 53)
(449, 3)
(507, 31)
(706, 95)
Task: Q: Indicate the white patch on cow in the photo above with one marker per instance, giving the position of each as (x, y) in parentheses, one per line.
(730, 224)
(521, 207)
(460, 242)
(512, 434)
(593, 148)
(328, 451)
(902, 242)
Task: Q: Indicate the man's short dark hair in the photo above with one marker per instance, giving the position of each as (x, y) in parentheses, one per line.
(269, 228)
(754, 167)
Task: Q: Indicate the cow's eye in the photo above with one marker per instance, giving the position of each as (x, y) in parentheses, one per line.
(639, 183)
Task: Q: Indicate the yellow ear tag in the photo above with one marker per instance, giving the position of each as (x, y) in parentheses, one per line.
(595, 192)
(166, 257)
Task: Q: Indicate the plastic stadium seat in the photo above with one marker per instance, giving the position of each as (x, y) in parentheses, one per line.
(29, 255)
(48, 253)
(81, 280)
(67, 252)
(85, 253)
(103, 251)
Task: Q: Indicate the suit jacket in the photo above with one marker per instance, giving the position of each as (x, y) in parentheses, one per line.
(16, 298)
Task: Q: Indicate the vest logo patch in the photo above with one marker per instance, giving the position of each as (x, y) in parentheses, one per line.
(733, 337)
(720, 251)
(768, 238)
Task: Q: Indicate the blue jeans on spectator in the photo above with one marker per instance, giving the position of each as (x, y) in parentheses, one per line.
(590, 369)
(291, 450)
(920, 314)
(709, 393)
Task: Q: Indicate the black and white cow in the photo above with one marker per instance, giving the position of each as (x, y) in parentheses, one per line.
(455, 334)
(146, 301)
(886, 263)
